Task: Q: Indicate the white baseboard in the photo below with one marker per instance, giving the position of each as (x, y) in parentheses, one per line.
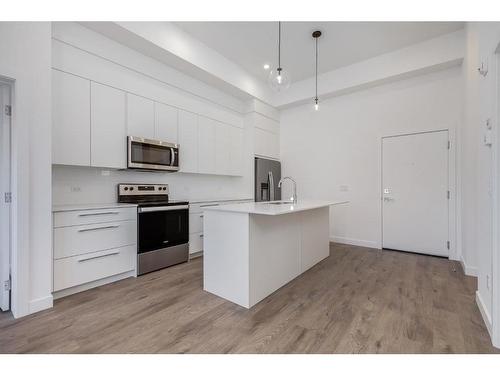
(40, 304)
(469, 271)
(93, 284)
(484, 312)
(355, 242)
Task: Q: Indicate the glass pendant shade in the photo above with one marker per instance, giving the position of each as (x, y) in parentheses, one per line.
(279, 80)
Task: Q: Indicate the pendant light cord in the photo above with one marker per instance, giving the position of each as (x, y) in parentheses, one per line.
(279, 47)
(316, 70)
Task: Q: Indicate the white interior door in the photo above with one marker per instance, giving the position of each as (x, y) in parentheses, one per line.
(4, 204)
(415, 193)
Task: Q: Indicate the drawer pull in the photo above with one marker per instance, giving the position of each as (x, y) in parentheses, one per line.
(98, 256)
(201, 235)
(201, 215)
(98, 228)
(209, 205)
(100, 213)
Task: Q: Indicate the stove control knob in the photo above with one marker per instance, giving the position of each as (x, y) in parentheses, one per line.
(126, 188)
(131, 188)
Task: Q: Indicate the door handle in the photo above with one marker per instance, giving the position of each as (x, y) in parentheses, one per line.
(271, 186)
(98, 228)
(98, 256)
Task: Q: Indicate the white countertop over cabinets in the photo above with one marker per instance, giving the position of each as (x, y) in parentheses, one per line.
(269, 208)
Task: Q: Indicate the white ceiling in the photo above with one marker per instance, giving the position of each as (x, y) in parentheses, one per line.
(251, 44)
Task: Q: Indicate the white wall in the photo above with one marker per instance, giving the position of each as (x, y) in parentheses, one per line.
(81, 51)
(480, 104)
(26, 55)
(340, 144)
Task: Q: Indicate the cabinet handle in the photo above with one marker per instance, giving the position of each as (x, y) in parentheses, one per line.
(98, 256)
(201, 235)
(98, 228)
(209, 205)
(100, 213)
(201, 215)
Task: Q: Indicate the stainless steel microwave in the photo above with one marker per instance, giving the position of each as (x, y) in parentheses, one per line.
(150, 154)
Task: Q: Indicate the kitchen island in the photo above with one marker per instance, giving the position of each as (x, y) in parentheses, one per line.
(253, 249)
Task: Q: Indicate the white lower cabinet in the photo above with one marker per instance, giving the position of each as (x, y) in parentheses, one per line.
(82, 269)
(196, 222)
(93, 246)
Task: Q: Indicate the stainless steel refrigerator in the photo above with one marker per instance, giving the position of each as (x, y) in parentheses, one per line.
(267, 176)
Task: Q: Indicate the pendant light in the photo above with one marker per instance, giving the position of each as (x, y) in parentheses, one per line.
(279, 79)
(316, 36)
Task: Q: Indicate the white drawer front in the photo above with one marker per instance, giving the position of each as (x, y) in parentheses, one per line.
(195, 242)
(196, 222)
(82, 269)
(82, 239)
(68, 218)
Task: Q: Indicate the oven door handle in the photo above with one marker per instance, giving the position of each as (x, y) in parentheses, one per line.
(163, 208)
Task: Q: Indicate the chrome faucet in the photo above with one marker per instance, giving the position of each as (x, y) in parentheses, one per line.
(293, 198)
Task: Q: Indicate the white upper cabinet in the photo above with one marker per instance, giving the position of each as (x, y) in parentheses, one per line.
(235, 151)
(223, 141)
(108, 127)
(206, 145)
(188, 141)
(70, 119)
(166, 123)
(266, 143)
(140, 116)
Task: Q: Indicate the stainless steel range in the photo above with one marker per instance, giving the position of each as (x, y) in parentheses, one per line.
(162, 226)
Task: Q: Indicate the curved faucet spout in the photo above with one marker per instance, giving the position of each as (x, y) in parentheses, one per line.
(293, 198)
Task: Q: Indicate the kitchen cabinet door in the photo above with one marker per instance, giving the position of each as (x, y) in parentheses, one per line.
(70, 119)
(223, 148)
(166, 123)
(108, 127)
(206, 145)
(235, 151)
(188, 142)
(140, 117)
(266, 143)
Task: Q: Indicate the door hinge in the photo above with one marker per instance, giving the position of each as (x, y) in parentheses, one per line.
(8, 110)
(6, 285)
(448, 245)
(449, 145)
(448, 194)
(8, 197)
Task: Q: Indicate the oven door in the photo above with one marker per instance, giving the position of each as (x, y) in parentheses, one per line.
(162, 227)
(152, 154)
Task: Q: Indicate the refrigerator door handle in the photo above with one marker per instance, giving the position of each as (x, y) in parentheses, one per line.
(271, 185)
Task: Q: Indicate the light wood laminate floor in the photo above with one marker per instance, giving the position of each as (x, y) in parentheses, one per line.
(357, 300)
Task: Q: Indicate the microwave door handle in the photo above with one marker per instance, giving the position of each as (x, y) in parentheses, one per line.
(172, 157)
(271, 185)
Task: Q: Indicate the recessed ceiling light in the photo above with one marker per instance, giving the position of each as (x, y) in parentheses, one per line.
(266, 66)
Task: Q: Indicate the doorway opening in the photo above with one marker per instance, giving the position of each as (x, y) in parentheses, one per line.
(416, 193)
(6, 195)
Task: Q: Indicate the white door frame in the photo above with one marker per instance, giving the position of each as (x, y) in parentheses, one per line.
(495, 149)
(453, 212)
(6, 123)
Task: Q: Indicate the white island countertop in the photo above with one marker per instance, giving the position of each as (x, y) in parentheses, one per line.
(267, 208)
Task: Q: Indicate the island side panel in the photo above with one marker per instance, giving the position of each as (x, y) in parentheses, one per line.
(226, 255)
(315, 236)
(274, 253)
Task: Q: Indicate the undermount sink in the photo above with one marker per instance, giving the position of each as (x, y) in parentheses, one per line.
(287, 202)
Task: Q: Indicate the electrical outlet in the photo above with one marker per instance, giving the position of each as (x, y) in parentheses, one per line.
(344, 188)
(75, 189)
